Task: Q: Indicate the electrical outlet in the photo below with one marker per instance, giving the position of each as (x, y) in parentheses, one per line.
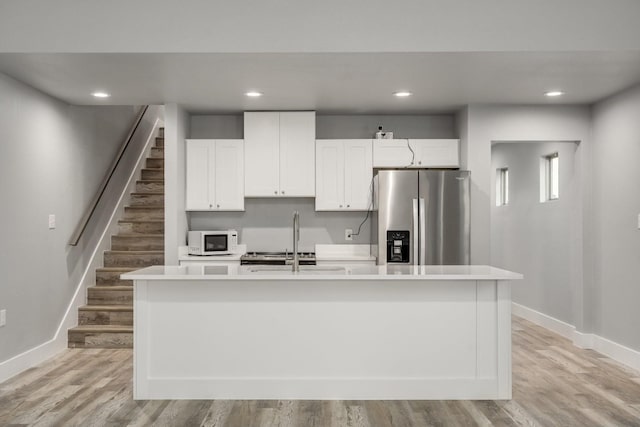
(3, 318)
(52, 222)
(348, 234)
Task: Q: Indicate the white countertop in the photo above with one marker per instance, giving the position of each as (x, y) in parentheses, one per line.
(258, 272)
(183, 255)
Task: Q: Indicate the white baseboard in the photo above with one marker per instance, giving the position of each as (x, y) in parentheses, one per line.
(541, 319)
(618, 352)
(59, 342)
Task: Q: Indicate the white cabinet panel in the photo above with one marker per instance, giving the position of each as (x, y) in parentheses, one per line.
(197, 192)
(229, 174)
(279, 154)
(391, 153)
(262, 154)
(297, 162)
(358, 174)
(343, 175)
(214, 175)
(436, 153)
(415, 153)
(329, 175)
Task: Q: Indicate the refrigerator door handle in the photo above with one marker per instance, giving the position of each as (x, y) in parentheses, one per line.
(415, 232)
(423, 234)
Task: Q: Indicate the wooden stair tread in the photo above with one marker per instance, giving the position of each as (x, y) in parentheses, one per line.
(138, 236)
(160, 181)
(113, 288)
(93, 307)
(116, 269)
(145, 207)
(102, 329)
(136, 252)
(140, 220)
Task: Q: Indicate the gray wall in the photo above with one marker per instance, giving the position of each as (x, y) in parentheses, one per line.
(616, 205)
(52, 159)
(535, 238)
(326, 26)
(266, 223)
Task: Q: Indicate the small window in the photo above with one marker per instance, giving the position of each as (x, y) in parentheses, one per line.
(550, 177)
(502, 186)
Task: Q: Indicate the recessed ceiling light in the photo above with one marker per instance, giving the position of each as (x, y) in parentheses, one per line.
(402, 94)
(554, 93)
(101, 94)
(253, 94)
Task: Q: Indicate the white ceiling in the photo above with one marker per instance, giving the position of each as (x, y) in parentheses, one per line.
(327, 83)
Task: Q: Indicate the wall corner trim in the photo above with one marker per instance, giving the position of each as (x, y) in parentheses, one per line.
(618, 352)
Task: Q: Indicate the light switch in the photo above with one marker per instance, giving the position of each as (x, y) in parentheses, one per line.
(52, 222)
(3, 317)
(638, 221)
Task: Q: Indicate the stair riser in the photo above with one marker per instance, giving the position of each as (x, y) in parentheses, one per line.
(152, 174)
(100, 340)
(132, 260)
(160, 142)
(146, 187)
(142, 228)
(155, 163)
(127, 243)
(156, 153)
(104, 278)
(161, 133)
(147, 200)
(109, 297)
(142, 214)
(116, 318)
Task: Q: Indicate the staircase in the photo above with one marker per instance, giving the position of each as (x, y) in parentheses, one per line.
(107, 319)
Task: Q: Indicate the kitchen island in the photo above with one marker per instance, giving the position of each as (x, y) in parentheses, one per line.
(368, 332)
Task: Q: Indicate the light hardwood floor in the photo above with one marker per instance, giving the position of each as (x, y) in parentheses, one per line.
(554, 384)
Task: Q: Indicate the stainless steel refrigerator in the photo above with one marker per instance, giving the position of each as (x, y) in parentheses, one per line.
(422, 217)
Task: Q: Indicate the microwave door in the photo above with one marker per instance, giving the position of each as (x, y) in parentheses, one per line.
(215, 243)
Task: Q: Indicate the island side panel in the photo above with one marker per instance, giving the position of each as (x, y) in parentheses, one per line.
(140, 340)
(504, 339)
(310, 340)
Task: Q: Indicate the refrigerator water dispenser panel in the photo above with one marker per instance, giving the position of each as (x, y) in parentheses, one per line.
(397, 246)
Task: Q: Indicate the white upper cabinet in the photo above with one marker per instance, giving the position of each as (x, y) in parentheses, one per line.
(215, 175)
(344, 172)
(415, 153)
(279, 154)
(262, 154)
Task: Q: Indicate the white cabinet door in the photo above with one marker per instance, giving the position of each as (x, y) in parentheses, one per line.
(329, 175)
(392, 153)
(261, 154)
(358, 174)
(344, 173)
(297, 153)
(436, 153)
(229, 174)
(415, 153)
(198, 178)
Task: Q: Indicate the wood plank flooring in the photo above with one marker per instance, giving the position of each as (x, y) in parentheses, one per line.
(554, 384)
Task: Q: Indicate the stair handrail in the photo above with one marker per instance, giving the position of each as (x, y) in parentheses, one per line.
(82, 225)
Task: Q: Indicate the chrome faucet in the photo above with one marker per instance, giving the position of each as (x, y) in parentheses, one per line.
(296, 239)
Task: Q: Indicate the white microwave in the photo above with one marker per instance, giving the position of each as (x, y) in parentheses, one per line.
(213, 242)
